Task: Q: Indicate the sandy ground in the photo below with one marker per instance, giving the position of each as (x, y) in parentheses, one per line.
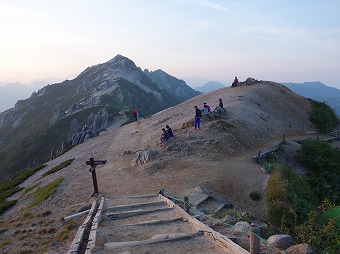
(219, 157)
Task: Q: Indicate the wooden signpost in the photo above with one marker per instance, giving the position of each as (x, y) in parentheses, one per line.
(93, 165)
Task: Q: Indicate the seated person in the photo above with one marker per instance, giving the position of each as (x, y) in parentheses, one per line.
(205, 105)
(169, 130)
(206, 109)
(219, 108)
(235, 82)
(164, 136)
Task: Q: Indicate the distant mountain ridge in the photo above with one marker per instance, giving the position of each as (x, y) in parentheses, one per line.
(10, 93)
(64, 114)
(319, 92)
(209, 86)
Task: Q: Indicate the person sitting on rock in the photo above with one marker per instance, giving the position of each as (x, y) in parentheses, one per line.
(219, 108)
(169, 130)
(206, 108)
(164, 136)
(235, 82)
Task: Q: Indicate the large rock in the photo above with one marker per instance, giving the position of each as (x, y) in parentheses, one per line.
(281, 241)
(302, 248)
(241, 227)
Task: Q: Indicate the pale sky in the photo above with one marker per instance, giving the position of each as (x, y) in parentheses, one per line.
(277, 40)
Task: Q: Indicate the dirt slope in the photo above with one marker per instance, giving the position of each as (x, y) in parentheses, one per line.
(218, 157)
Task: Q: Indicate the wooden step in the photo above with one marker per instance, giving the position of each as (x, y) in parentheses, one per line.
(155, 239)
(200, 199)
(219, 208)
(115, 216)
(136, 232)
(134, 206)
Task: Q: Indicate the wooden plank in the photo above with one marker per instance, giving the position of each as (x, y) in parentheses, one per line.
(135, 197)
(139, 205)
(219, 208)
(93, 232)
(115, 216)
(217, 198)
(75, 246)
(203, 197)
(157, 239)
(146, 223)
(224, 241)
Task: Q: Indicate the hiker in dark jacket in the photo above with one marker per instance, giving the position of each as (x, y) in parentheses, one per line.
(169, 130)
(164, 136)
(198, 114)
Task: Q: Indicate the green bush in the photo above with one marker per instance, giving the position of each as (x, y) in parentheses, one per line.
(323, 164)
(289, 197)
(323, 117)
(254, 195)
(322, 234)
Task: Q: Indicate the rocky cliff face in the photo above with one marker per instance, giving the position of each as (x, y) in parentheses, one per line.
(67, 113)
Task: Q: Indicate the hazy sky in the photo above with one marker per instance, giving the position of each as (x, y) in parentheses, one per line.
(283, 41)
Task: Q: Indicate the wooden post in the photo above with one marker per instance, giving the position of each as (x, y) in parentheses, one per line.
(186, 205)
(263, 232)
(93, 165)
(284, 139)
(254, 240)
(94, 179)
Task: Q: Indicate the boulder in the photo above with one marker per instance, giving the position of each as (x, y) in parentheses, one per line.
(241, 227)
(281, 241)
(302, 248)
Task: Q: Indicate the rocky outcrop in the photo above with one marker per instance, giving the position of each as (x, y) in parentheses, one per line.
(57, 115)
(248, 82)
(143, 156)
(77, 134)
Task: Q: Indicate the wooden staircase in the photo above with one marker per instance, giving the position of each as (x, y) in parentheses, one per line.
(147, 224)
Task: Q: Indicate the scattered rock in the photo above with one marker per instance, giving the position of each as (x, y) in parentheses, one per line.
(142, 157)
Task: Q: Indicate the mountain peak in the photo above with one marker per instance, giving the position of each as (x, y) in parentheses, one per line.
(117, 58)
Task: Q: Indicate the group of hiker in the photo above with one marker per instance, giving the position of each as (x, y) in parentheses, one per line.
(137, 115)
(167, 131)
(204, 111)
(166, 134)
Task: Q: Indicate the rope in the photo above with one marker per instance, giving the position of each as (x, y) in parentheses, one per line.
(167, 194)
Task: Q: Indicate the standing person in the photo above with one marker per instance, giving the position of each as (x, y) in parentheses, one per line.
(139, 116)
(169, 130)
(198, 114)
(134, 114)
